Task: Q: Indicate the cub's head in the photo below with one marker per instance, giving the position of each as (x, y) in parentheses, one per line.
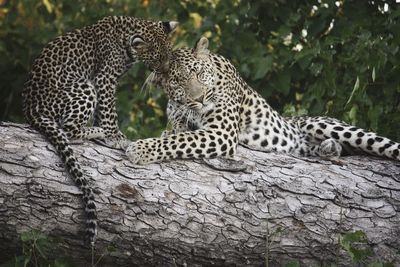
(145, 40)
(188, 77)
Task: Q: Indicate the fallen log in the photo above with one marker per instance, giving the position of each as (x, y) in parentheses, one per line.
(186, 213)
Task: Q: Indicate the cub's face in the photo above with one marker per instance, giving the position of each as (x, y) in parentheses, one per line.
(148, 41)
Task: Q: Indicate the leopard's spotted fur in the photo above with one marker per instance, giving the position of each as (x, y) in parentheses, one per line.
(212, 110)
(75, 78)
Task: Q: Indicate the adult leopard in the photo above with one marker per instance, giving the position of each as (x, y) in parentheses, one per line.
(75, 78)
(212, 110)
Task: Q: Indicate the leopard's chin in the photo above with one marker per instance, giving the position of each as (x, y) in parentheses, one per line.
(206, 107)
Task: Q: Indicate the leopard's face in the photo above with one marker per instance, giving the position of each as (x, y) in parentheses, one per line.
(189, 79)
(148, 42)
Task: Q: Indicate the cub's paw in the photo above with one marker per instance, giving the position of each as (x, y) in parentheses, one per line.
(330, 149)
(87, 133)
(119, 143)
(93, 133)
(138, 153)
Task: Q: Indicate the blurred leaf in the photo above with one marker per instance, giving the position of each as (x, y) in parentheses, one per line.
(353, 114)
(316, 68)
(374, 115)
(281, 82)
(262, 67)
(373, 74)
(48, 6)
(355, 89)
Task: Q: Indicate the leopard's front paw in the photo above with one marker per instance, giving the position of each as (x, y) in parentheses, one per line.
(116, 140)
(138, 153)
(166, 133)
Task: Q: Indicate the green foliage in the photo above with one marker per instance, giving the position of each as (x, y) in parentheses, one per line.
(287, 50)
(351, 243)
(292, 263)
(356, 245)
(36, 249)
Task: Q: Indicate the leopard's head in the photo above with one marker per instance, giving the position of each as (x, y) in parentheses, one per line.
(145, 40)
(189, 76)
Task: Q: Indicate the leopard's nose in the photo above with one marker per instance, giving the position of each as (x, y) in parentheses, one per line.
(200, 99)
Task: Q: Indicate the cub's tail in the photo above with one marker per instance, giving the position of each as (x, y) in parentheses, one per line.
(58, 138)
(352, 139)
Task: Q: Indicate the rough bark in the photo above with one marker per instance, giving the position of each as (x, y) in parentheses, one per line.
(184, 212)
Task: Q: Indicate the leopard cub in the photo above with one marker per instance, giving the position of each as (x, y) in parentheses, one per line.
(75, 78)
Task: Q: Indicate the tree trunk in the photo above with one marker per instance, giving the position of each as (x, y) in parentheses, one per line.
(186, 213)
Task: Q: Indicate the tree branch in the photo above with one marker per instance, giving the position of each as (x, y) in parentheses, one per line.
(186, 212)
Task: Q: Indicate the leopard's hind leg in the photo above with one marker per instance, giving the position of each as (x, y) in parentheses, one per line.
(80, 102)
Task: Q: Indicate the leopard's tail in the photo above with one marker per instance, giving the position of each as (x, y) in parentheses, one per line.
(352, 139)
(58, 138)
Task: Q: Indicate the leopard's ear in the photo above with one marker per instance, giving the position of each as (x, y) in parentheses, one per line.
(164, 67)
(201, 48)
(169, 26)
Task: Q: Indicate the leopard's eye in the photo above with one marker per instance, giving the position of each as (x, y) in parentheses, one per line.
(202, 75)
(136, 40)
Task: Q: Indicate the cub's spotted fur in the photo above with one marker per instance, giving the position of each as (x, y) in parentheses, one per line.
(212, 110)
(75, 78)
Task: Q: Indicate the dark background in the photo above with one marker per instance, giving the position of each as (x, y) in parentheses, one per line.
(333, 58)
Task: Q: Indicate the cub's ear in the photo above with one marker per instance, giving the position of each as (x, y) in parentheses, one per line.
(201, 48)
(169, 26)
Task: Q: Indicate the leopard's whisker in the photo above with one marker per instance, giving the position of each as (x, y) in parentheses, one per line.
(187, 118)
(148, 82)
